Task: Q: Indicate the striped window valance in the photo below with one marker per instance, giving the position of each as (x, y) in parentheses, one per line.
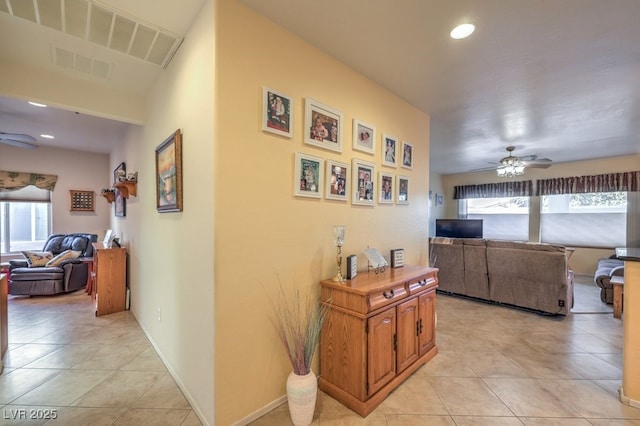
(609, 182)
(13, 181)
(522, 188)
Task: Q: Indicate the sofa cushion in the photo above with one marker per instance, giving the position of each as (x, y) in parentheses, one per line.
(40, 274)
(67, 254)
(37, 258)
(524, 245)
(59, 243)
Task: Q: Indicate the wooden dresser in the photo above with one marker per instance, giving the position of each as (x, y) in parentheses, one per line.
(380, 330)
(109, 278)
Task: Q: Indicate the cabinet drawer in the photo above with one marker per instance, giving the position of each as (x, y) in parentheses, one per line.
(419, 284)
(378, 299)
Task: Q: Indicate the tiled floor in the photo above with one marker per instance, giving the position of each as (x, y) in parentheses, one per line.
(500, 366)
(64, 362)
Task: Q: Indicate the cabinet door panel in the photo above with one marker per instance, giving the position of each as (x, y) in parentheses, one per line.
(408, 328)
(381, 366)
(427, 310)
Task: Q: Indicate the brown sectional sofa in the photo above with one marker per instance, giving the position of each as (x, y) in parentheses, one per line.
(528, 275)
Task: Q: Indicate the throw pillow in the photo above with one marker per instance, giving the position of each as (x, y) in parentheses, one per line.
(67, 254)
(37, 258)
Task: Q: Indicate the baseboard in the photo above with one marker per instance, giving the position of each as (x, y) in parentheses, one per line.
(626, 400)
(172, 372)
(261, 412)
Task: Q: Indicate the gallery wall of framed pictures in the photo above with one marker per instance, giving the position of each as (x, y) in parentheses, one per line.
(353, 179)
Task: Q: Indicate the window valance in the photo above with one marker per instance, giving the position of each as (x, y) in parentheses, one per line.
(609, 182)
(13, 181)
(522, 188)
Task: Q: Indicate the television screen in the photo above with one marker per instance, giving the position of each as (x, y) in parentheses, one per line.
(459, 228)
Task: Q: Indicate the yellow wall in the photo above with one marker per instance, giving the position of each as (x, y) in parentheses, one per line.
(584, 260)
(263, 234)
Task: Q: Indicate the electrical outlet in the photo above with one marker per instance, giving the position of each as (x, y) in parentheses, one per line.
(159, 315)
(561, 303)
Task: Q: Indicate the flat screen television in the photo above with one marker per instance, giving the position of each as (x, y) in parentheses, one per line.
(459, 228)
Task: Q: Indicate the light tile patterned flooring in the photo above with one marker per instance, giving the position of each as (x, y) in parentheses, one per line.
(500, 366)
(84, 370)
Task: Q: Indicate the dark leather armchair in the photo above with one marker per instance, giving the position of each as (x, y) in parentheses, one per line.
(70, 275)
(608, 268)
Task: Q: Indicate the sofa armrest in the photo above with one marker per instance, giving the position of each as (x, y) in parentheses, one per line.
(19, 263)
(618, 271)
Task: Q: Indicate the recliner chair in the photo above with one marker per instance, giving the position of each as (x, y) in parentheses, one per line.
(70, 275)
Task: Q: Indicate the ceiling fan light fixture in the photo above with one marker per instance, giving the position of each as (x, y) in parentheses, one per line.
(47, 136)
(36, 104)
(462, 31)
(510, 166)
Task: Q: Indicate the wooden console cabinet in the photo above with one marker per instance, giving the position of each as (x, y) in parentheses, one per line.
(109, 278)
(380, 330)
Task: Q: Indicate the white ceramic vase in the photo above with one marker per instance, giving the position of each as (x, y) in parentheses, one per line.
(301, 396)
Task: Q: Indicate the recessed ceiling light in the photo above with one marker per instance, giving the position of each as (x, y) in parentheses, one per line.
(47, 136)
(37, 104)
(462, 31)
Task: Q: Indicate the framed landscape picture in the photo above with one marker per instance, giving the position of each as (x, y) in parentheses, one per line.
(308, 176)
(385, 188)
(407, 155)
(402, 190)
(169, 174)
(337, 180)
(322, 126)
(363, 182)
(364, 136)
(277, 113)
(389, 150)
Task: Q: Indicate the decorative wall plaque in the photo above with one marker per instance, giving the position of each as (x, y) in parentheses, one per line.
(81, 201)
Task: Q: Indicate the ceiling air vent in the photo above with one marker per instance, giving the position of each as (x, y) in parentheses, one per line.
(100, 24)
(80, 63)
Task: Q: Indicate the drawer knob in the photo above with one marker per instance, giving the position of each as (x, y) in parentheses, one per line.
(388, 295)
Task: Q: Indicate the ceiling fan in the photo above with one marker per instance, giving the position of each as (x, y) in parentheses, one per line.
(511, 165)
(19, 140)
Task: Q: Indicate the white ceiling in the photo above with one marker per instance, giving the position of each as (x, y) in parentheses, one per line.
(557, 79)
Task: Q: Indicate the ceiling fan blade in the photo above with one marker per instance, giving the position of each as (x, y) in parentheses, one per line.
(18, 144)
(482, 169)
(529, 157)
(537, 165)
(21, 137)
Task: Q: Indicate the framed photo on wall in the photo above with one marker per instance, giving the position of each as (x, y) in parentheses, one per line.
(407, 155)
(119, 202)
(386, 188)
(402, 190)
(277, 113)
(308, 176)
(364, 136)
(338, 183)
(169, 174)
(322, 126)
(389, 150)
(363, 182)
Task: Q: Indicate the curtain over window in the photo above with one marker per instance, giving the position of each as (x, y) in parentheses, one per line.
(610, 182)
(21, 186)
(522, 188)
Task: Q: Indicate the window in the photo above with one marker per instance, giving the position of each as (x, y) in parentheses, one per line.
(24, 225)
(596, 219)
(505, 218)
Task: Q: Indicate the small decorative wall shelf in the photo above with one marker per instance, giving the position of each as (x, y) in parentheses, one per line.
(127, 188)
(109, 195)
